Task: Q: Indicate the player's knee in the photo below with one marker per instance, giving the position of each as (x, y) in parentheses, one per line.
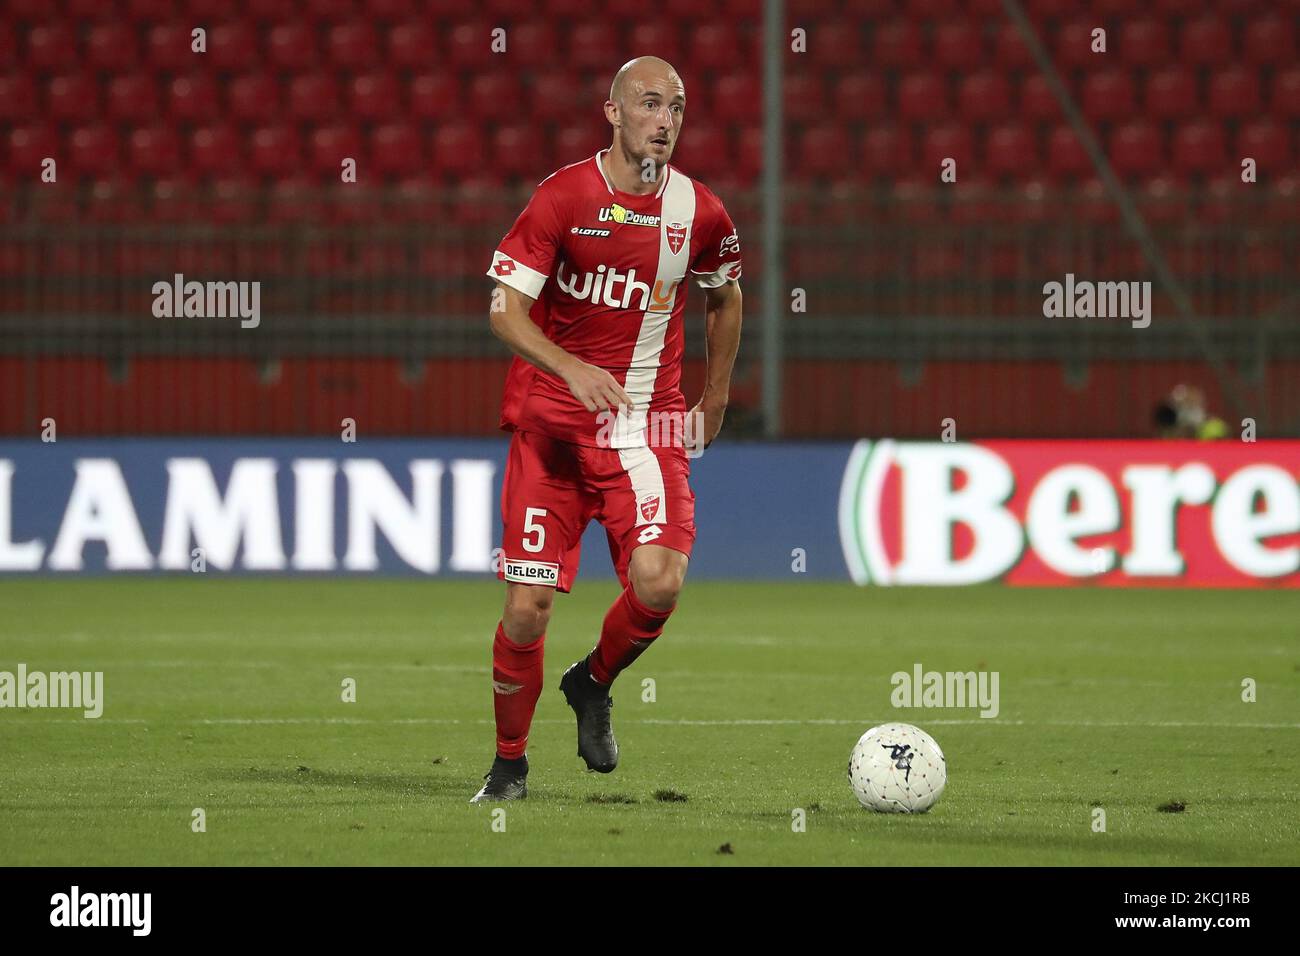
(527, 612)
(658, 587)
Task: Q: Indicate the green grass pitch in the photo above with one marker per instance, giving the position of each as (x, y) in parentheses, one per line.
(225, 695)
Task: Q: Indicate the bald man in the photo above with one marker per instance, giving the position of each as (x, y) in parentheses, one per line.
(590, 295)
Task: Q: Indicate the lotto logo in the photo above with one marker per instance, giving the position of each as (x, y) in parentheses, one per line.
(651, 532)
(504, 267)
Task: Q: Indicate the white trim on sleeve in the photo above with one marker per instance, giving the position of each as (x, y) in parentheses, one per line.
(515, 274)
(721, 276)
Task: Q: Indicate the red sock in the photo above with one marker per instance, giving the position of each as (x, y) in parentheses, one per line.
(629, 628)
(516, 685)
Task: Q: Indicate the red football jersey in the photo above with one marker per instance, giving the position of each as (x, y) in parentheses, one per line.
(608, 271)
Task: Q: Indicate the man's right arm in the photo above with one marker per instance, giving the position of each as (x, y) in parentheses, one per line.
(590, 384)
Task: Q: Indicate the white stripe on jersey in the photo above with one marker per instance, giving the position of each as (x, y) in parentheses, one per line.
(642, 467)
(678, 208)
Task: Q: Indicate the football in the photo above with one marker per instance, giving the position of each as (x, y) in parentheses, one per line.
(897, 768)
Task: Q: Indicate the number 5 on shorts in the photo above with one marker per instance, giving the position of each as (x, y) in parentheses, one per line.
(533, 546)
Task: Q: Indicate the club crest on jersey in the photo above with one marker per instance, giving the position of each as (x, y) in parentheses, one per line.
(676, 236)
(616, 213)
(649, 507)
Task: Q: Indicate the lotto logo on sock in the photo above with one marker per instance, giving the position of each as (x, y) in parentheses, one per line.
(532, 572)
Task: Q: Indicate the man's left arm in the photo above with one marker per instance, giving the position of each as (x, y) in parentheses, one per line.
(722, 339)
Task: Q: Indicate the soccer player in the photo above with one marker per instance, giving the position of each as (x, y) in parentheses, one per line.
(590, 292)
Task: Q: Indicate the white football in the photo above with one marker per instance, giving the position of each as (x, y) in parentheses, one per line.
(897, 768)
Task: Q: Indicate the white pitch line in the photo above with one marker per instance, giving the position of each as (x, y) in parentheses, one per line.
(773, 722)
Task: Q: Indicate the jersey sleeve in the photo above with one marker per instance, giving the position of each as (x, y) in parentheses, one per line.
(525, 257)
(719, 259)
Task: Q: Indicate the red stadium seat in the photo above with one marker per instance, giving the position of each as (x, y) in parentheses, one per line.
(434, 96)
(495, 96)
(133, 98)
(1144, 42)
(1284, 99)
(1073, 44)
(73, 97)
(724, 42)
(8, 42)
(293, 201)
(860, 96)
(216, 149)
(1269, 39)
(353, 46)
(1234, 93)
(146, 11)
(985, 96)
(1109, 96)
(532, 44)
(958, 45)
(233, 201)
(922, 97)
(202, 11)
(1066, 157)
(469, 45)
(332, 10)
(194, 99)
(657, 37)
(169, 49)
(314, 97)
(1162, 199)
(19, 101)
(896, 43)
(1037, 101)
(52, 46)
(592, 46)
(233, 46)
(396, 149)
(375, 97)
(1051, 8)
(1205, 41)
(275, 151)
(738, 97)
(822, 149)
(330, 145)
(112, 46)
(835, 43)
(1010, 49)
(1011, 150)
(29, 146)
(804, 96)
(292, 44)
(458, 149)
(555, 95)
(1268, 143)
(414, 44)
(271, 11)
(887, 151)
(253, 98)
(516, 148)
(1198, 147)
(94, 150)
(747, 161)
(705, 150)
(155, 150)
(949, 141)
(1137, 149)
(1171, 94)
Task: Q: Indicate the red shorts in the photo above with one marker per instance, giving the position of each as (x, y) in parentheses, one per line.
(552, 489)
